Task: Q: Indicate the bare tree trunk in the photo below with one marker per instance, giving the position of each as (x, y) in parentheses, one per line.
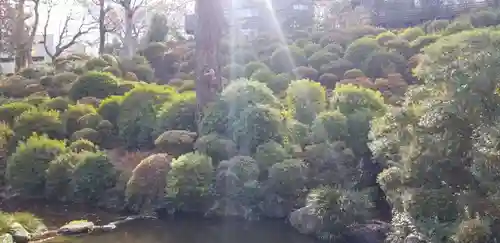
(128, 40)
(102, 27)
(208, 34)
(19, 37)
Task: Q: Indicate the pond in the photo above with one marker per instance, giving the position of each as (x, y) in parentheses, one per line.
(186, 230)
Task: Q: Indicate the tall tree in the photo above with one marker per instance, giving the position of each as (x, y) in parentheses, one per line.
(129, 10)
(24, 33)
(208, 35)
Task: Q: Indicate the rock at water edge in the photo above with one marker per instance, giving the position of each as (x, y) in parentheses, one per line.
(77, 227)
(305, 221)
(19, 233)
(373, 232)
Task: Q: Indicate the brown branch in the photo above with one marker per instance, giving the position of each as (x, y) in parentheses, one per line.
(45, 27)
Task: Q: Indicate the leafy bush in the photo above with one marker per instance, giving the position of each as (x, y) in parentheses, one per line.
(73, 114)
(268, 154)
(337, 67)
(380, 64)
(113, 70)
(298, 133)
(109, 108)
(6, 135)
(256, 125)
(353, 73)
(59, 174)
(484, 18)
(311, 48)
(284, 59)
(385, 37)
(320, 58)
(242, 93)
(60, 104)
(176, 142)
(334, 49)
(87, 134)
(458, 26)
(412, 34)
(360, 49)
(263, 75)
(217, 147)
(41, 122)
(233, 71)
(95, 84)
(93, 175)
(96, 64)
(146, 186)
(81, 145)
(62, 79)
(329, 126)
(305, 99)
(437, 26)
(306, 73)
(31, 73)
(287, 178)
(90, 120)
(178, 115)
(215, 118)
(26, 166)
(144, 73)
(349, 98)
(423, 41)
(243, 167)
(251, 67)
(189, 181)
(473, 231)
(328, 80)
(9, 112)
(280, 83)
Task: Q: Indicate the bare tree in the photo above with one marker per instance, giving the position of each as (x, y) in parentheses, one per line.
(24, 32)
(99, 11)
(66, 38)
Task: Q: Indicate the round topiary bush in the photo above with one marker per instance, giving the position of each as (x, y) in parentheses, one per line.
(216, 146)
(89, 100)
(90, 120)
(189, 181)
(40, 122)
(62, 79)
(96, 64)
(305, 99)
(59, 175)
(109, 108)
(180, 114)
(9, 112)
(353, 73)
(60, 104)
(437, 26)
(251, 67)
(6, 143)
(311, 48)
(381, 63)
(93, 176)
(385, 37)
(360, 49)
(176, 142)
(412, 34)
(144, 73)
(256, 125)
(484, 18)
(81, 145)
(329, 126)
(71, 116)
(306, 73)
(337, 67)
(87, 134)
(146, 187)
(263, 75)
(270, 153)
(328, 80)
(215, 118)
(284, 59)
(244, 168)
(320, 58)
(349, 98)
(95, 84)
(423, 41)
(233, 71)
(298, 133)
(280, 83)
(287, 178)
(334, 48)
(26, 167)
(473, 231)
(458, 26)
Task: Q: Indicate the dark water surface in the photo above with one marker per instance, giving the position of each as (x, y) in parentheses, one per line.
(179, 230)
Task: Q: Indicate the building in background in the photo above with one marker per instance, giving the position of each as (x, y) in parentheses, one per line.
(38, 53)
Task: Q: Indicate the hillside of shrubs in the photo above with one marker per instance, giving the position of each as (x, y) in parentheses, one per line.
(332, 130)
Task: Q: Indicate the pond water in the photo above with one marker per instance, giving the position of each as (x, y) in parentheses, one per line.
(186, 230)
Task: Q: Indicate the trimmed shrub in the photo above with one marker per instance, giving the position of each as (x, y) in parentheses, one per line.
(484, 18)
(81, 145)
(144, 73)
(73, 114)
(96, 64)
(251, 67)
(9, 112)
(27, 165)
(189, 181)
(473, 231)
(60, 104)
(411, 34)
(244, 168)
(353, 73)
(381, 63)
(233, 71)
(215, 118)
(311, 48)
(437, 26)
(217, 147)
(423, 41)
(328, 80)
(349, 98)
(268, 154)
(329, 126)
(178, 115)
(337, 67)
(287, 178)
(40, 122)
(458, 26)
(320, 58)
(176, 142)
(95, 84)
(263, 75)
(113, 70)
(298, 133)
(306, 73)
(6, 135)
(334, 49)
(146, 187)
(31, 73)
(89, 100)
(360, 49)
(280, 83)
(284, 59)
(109, 108)
(59, 174)
(305, 99)
(90, 120)
(93, 176)
(87, 134)
(62, 79)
